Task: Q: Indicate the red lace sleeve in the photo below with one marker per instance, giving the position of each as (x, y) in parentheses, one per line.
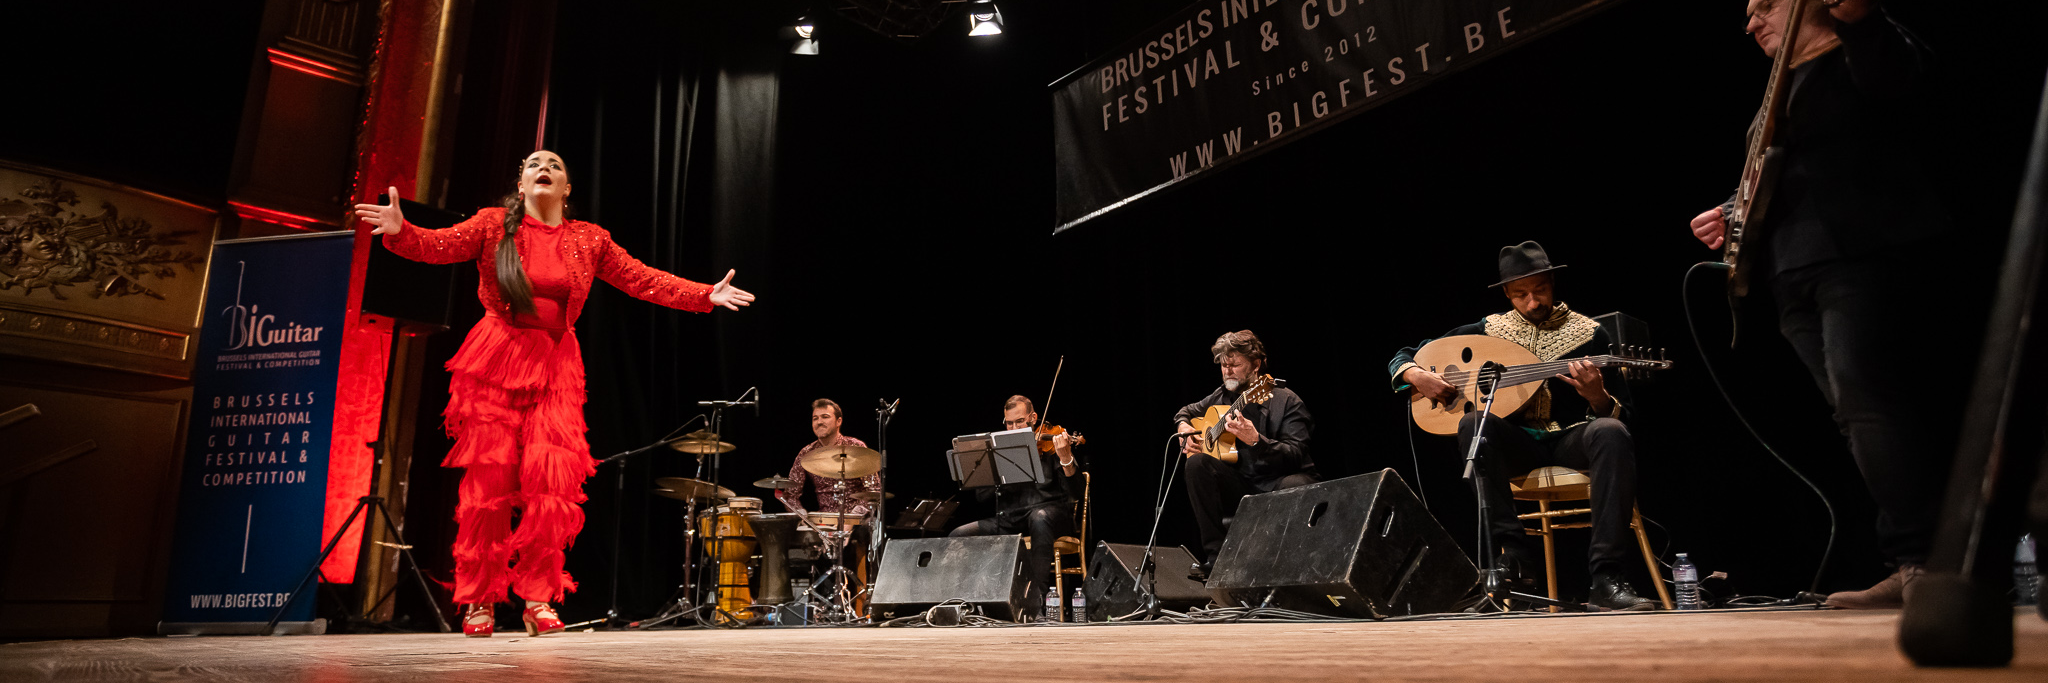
(464, 242)
(650, 284)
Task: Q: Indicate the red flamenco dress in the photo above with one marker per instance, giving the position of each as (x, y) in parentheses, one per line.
(515, 406)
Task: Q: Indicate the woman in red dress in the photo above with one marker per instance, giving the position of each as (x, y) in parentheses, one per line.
(515, 405)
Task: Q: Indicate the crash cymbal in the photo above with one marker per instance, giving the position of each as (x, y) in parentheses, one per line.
(696, 446)
(842, 462)
(869, 496)
(685, 488)
(777, 482)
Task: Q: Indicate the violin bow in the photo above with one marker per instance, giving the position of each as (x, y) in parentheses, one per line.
(1048, 392)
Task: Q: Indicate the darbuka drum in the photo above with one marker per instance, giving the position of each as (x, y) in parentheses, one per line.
(729, 542)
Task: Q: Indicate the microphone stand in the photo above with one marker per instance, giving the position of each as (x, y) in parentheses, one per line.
(1148, 570)
(1487, 381)
(883, 415)
(618, 516)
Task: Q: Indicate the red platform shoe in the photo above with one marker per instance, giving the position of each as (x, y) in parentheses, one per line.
(478, 621)
(541, 620)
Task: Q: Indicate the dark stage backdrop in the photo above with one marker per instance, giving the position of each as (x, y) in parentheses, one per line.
(888, 202)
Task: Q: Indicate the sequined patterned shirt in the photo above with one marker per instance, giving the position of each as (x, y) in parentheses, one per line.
(587, 252)
(829, 500)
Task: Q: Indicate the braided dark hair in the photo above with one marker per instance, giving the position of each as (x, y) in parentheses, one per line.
(512, 280)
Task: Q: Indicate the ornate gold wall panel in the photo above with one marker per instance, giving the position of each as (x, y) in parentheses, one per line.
(93, 273)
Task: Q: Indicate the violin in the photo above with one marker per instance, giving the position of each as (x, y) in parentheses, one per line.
(1046, 432)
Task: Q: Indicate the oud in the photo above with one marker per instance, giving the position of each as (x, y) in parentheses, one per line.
(1475, 363)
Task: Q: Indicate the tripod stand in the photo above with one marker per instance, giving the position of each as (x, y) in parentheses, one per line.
(1488, 379)
(403, 549)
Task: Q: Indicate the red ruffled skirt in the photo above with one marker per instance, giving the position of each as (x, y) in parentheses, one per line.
(515, 410)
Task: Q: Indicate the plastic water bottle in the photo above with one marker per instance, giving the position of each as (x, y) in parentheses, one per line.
(1052, 605)
(1078, 613)
(1688, 579)
(2026, 573)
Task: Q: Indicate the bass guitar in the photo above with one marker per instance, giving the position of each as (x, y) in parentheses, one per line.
(1761, 162)
(1218, 442)
(1475, 362)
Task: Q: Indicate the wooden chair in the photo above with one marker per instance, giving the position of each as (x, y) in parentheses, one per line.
(1547, 485)
(1070, 545)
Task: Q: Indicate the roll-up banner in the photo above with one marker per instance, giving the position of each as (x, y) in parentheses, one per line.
(255, 477)
(1223, 80)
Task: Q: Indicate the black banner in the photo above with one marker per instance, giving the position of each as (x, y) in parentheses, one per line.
(1225, 79)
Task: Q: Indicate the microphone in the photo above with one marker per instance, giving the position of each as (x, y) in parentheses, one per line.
(729, 404)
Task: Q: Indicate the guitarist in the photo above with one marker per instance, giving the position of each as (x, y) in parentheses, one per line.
(1849, 215)
(1574, 420)
(1272, 444)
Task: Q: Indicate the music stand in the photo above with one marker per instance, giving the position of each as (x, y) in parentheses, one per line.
(996, 458)
(927, 515)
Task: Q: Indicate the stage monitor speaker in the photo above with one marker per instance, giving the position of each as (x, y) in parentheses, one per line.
(1112, 587)
(1359, 546)
(985, 571)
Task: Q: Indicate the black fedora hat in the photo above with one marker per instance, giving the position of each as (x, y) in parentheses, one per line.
(1523, 260)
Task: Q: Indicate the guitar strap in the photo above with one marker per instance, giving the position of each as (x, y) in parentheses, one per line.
(1549, 340)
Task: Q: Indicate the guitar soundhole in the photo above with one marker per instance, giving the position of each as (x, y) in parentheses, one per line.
(1468, 407)
(1468, 354)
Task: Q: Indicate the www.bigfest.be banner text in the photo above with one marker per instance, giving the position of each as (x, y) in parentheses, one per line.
(1225, 79)
(255, 478)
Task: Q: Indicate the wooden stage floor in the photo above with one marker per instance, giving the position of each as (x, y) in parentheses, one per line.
(1787, 645)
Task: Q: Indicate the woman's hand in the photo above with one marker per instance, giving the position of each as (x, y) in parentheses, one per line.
(722, 294)
(387, 219)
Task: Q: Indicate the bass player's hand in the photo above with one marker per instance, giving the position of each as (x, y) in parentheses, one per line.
(1430, 385)
(1710, 228)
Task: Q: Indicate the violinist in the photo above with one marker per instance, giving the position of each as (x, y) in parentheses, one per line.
(1044, 511)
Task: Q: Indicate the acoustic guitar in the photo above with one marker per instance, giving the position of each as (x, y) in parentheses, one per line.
(1761, 162)
(1218, 442)
(1464, 359)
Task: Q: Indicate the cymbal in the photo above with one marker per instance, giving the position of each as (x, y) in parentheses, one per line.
(693, 444)
(777, 482)
(842, 462)
(869, 496)
(685, 488)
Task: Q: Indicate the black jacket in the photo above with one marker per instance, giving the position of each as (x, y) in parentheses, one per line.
(1016, 501)
(1284, 426)
(1853, 182)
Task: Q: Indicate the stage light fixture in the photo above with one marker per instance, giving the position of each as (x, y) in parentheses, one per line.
(801, 33)
(983, 19)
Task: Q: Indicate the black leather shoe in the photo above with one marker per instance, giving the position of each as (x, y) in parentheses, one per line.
(1517, 570)
(1199, 571)
(1612, 593)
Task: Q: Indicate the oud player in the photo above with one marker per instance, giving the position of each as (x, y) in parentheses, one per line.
(1851, 213)
(1576, 420)
(1271, 443)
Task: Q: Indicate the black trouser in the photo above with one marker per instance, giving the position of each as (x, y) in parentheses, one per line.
(1602, 447)
(1849, 321)
(1214, 490)
(1044, 525)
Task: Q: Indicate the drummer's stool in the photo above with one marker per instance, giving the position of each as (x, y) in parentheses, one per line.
(1547, 485)
(1069, 545)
